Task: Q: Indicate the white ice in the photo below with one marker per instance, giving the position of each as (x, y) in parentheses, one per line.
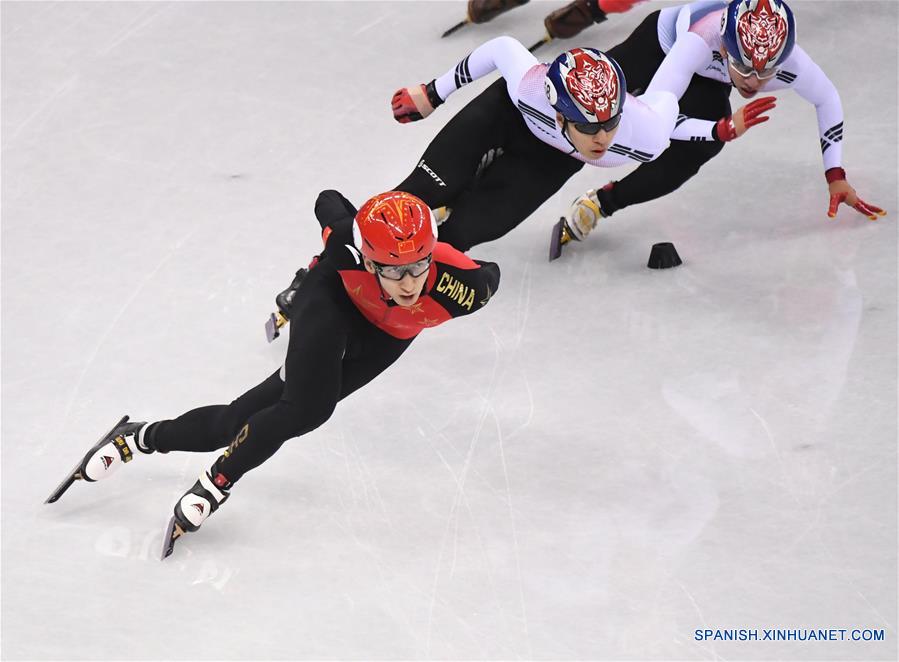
(602, 461)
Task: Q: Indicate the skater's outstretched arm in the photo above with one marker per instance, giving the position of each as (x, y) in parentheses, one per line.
(505, 54)
(803, 75)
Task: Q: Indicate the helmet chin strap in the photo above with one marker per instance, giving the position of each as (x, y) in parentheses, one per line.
(384, 296)
(565, 133)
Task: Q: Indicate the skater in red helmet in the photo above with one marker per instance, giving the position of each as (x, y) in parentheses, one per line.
(381, 279)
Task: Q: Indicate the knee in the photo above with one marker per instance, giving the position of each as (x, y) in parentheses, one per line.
(331, 206)
(299, 419)
(228, 423)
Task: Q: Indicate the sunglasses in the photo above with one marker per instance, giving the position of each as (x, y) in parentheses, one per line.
(592, 128)
(398, 271)
(746, 72)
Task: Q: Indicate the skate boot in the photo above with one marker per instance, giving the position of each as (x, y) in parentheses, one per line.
(113, 451)
(482, 11)
(115, 448)
(561, 235)
(583, 216)
(283, 301)
(209, 492)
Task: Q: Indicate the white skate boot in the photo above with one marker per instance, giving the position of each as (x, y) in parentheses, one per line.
(198, 503)
(114, 449)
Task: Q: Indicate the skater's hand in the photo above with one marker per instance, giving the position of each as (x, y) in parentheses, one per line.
(411, 104)
(842, 193)
(584, 214)
(746, 117)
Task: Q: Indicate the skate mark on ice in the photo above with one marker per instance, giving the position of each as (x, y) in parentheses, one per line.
(60, 91)
(702, 619)
(883, 621)
(524, 611)
(523, 309)
(136, 24)
(358, 473)
(48, 7)
(780, 461)
(461, 498)
(369, 26)
(522, 314)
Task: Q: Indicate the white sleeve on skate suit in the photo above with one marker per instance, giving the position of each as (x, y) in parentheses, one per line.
(674, 21)
(693, 129)
(690, 54)
(644, 132)
(800, 73)
(663, 105)
(506, 54)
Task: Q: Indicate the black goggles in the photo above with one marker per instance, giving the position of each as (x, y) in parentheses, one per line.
(592, 128)
(398, 271)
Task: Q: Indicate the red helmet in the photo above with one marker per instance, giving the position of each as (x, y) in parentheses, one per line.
(395, 228)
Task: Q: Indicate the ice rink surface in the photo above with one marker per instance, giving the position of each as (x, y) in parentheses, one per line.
(604, 460)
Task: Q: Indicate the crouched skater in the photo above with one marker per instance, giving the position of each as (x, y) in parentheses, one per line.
(381, 279)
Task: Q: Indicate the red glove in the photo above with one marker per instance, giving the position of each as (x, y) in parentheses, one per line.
(411, 104)
(746, 117)
(616, 6)
(841, 192)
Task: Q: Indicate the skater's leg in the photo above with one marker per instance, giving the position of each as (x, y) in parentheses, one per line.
(508, 192)
(305, 391)
(212, 427)
(203, 429)
(316, 376)
(331, 207)
(311, 391)
(449, 163)
(199, 430)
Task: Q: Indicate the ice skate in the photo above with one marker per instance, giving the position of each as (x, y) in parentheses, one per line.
(561, 235)
(283, 301)
(192, 509)
(585, 212)
(115, 448)
(482, 11)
